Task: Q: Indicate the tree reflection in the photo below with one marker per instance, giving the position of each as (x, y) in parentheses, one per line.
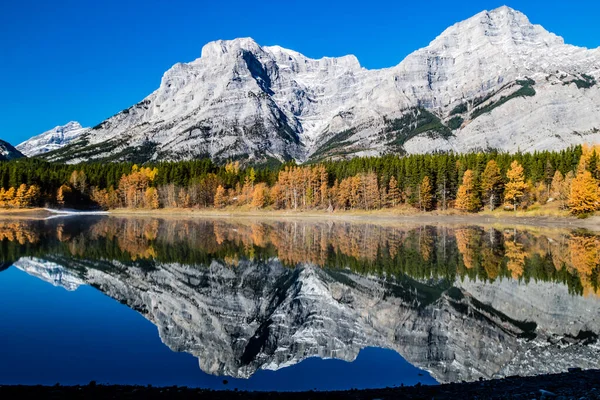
(419, 252)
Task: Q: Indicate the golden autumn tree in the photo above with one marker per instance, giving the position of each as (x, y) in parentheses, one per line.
(20, 200)
(516, 186)
(393, 194)
(425, 196)
(33, 195)
(467, 198)
(78, 180)
(133, 187)
(7, 199)
(491, 184)
(220, 197)
(151, 198)
(2, 197)
(556, 187)
(259, 195)
(584, 193)
(277, 196)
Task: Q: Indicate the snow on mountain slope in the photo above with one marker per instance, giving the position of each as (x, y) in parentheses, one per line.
(52, 140)
(8, 152)
(492, 81)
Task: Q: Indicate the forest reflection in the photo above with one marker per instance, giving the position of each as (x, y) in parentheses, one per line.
(420, 252)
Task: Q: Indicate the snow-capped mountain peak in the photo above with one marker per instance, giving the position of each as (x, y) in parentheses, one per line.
(8, 152)
(493, 81)
(51, 140)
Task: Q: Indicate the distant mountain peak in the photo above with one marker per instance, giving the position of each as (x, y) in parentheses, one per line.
(51, 140)
(8, 152)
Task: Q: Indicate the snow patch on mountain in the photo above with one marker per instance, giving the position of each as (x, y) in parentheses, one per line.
(8, 152)
(50, 272)
(51, 140)
(494, 81)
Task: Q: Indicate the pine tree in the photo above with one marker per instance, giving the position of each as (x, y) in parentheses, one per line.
(467, 198)
(491, 184)
(516, 186)
(584, 193)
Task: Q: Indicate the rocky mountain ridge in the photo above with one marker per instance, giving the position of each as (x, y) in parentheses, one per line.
(263, 315)
(51, 140)
(494, 81)
(8, 152)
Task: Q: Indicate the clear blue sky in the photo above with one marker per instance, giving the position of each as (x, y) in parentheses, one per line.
(86, 60)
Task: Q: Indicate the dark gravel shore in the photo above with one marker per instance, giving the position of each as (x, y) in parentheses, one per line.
(572, 385)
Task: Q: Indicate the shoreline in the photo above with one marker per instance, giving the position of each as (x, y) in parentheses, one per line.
(380, 217)
(575, 384)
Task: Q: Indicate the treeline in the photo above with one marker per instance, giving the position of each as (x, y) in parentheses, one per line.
(469, 182)
(425, 253)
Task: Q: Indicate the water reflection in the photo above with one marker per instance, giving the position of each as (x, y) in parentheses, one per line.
(462, 303)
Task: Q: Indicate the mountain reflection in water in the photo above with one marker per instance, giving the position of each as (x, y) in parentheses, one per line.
(243, 295)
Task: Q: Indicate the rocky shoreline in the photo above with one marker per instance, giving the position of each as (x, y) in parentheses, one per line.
(575, 384)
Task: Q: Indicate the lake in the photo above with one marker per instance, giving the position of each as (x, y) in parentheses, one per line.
(294, 305)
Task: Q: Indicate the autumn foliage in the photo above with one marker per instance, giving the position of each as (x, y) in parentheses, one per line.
(467, 182)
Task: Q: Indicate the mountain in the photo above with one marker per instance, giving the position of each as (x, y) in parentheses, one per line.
(8, 152)
(264, 315)
(494, 81)
(51, 140)
(248, 295)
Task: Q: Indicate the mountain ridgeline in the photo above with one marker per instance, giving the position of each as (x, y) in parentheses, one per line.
(8, 152)
(464, 303)
(492, 82)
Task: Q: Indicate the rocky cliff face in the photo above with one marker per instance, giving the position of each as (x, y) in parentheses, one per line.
(54, 139)
(251, 315)
(8, 152)
(494, 81)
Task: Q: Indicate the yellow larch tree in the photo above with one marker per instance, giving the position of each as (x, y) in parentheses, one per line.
(584, 193)
(516, 186)
(220, 197)
(425, 196)
(467, 198)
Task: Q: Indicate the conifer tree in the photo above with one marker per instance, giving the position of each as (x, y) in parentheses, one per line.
(491, 184)
(259, 195)
(584, 193)
(220, 197)
(467, 198)
(33, 195)
(393, 194)
(516, 186)
(20, 200)
(425, 196)
(9, 197)
(151, 198)
(62, 195)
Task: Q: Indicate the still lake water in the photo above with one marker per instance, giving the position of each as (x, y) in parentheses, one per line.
(268, 305)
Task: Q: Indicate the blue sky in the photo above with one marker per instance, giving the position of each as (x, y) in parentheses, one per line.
(86, 60)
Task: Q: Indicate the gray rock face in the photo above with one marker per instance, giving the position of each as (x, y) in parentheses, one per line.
(54, 139)
(8, 152)
(240, 317)
(492, 81)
